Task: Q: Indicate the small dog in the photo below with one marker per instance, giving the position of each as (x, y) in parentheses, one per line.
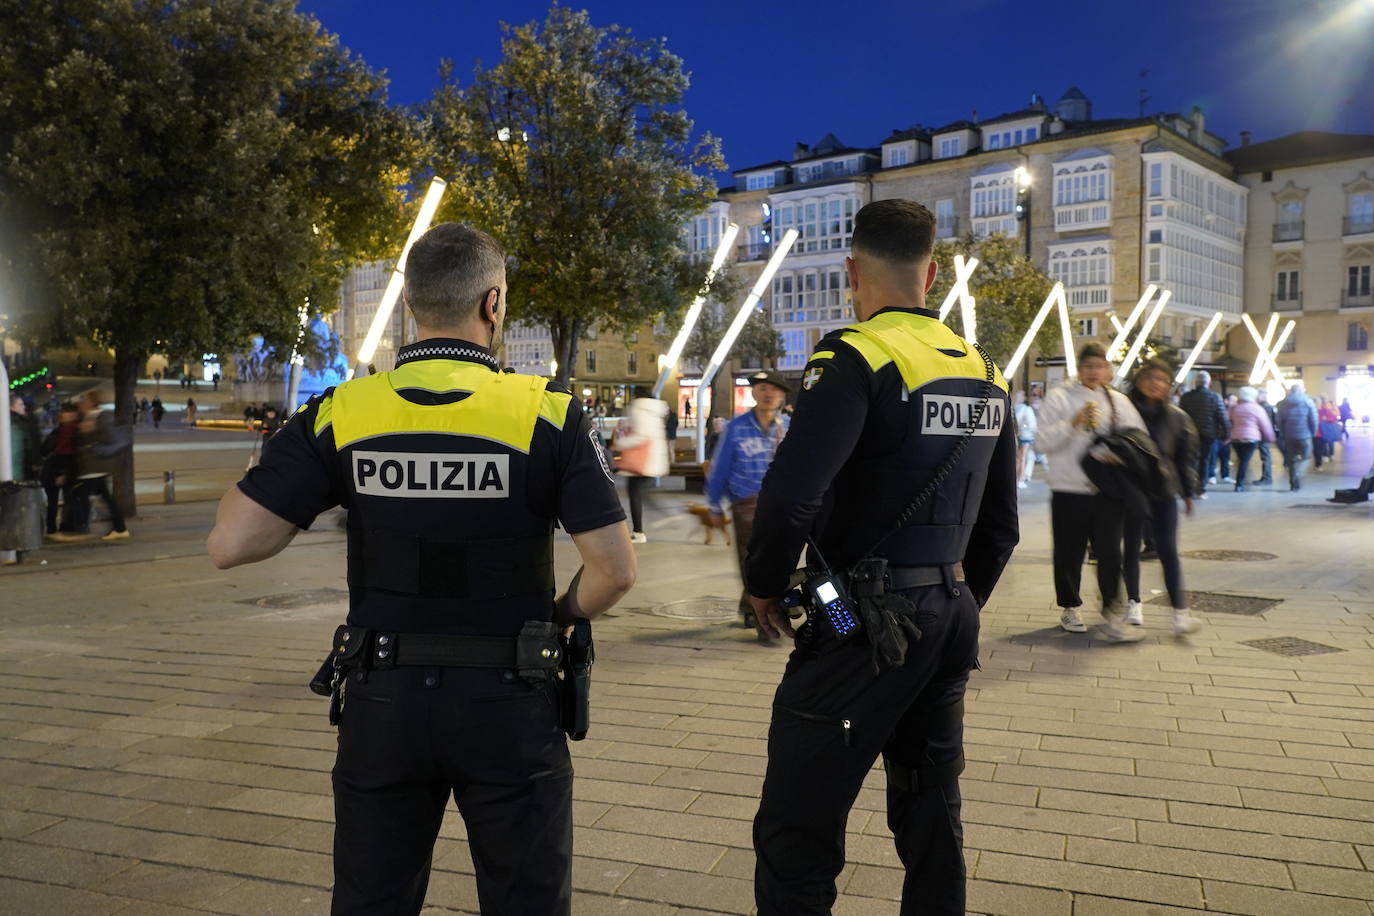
(711, 522)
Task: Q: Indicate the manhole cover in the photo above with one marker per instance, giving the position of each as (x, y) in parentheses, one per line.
(1290, 645)
(1229, 556)
(1320, 506)
(709, 608)
(306, 598)
(1216, 603)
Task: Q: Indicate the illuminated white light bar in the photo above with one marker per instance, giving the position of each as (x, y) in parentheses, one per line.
(1265, 359)
(393, 286)
(1056, 295)
(1070, 358)
(1145, 330)
(741, 317)
(1124, 331)
(1257, 373)
(1197, 349)
(960, 291)
(1116, 323)
(689, 322)
(1278, 348)
(969, 316)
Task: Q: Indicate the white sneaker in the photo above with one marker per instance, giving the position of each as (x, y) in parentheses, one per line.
(1021, 485)
(1134, 614)
(1069, 620)
(116, 535)
(1185, 623)
(1212, 479)
(1114, 629)
(1226, 479)
(638, 537)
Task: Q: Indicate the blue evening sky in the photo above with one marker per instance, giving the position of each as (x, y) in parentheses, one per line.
(765, 76)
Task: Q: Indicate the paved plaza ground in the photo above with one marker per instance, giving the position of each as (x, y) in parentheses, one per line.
(161, 754)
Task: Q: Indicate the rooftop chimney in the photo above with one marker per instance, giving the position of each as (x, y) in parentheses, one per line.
(1245, 138)
(800, 150)
(1199, 123)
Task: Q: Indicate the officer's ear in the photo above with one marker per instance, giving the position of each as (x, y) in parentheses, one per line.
(931, 270)
(491, 305)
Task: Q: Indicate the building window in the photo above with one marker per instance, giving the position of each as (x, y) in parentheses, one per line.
(759, 182)
(1291, 344)
(1084, 267)
(1357, 280)
(949, 147)
(1082, 185)
(1288, 286)
(944, 219)
(1032, 133)
(1156, 179)
(632, 363)
(898, 155)
(1156, 258)
(1156, 236)
(1356, 336)
(1290, 213)
(591, 360)
(1361, 212)
(995, 199)
(995, 141)
(1087, 327)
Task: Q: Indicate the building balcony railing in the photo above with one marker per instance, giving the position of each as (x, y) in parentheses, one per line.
(1351, 300)
(1288, 232)
(753, 251)
(947, 228)
(1286, 304)
(1083, 216)
(1358, 226)
(1089, 296)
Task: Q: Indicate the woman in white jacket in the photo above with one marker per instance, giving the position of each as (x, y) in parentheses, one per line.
(642, 443)
(1072, 416)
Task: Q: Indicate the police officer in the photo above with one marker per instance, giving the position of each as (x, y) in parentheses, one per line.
(887, 405)
(453, 474)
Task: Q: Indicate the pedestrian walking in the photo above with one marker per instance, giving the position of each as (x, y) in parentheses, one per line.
(1328, 429)
(1347, 414)
(190, 411)
(1176, 440)
(1075, 414)
(1208, 413)
(24, 457)
(158, 412)
(742, 455)
(1265, 451)
(58, 472)
(100, 445)
(639, 438)
(1298, 425)
(445, 674)
(1249, 427)
(1026, 423)
(890, 406)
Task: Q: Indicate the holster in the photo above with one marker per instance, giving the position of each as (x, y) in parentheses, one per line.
(579, 654)
(886, 616)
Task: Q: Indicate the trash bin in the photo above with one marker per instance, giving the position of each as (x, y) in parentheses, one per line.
(21, 515)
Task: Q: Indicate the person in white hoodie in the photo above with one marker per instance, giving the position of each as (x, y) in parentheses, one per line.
(641, 441)
(1072, 417)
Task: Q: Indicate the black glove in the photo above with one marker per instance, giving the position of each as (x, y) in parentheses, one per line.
(887, 618)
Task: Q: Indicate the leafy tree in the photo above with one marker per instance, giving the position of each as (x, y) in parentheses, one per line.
(187, 172)
(575, 153)
(757, 342)
(1008, 290)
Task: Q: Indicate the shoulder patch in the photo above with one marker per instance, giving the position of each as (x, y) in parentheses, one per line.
(812, 378)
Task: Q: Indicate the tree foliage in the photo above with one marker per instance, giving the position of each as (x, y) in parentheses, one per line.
(1008, 290)
(757, 340)
(575, 153)
(179, 175)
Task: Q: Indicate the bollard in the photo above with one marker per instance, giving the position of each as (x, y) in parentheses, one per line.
(169, 487)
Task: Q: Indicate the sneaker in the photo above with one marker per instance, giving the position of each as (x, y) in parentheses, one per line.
(638, 537)
(1114, 629)
(1185, 623)
(1021, 485)
(116, 535)
(1226, 479)
(1212, 479)
(1069, 620)
(1135, 615)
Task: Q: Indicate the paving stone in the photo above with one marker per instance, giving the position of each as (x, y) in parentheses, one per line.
(718, 893)
(1336, 808)
(1298, 825)
(227, 825)
(875, 881)
(1129, 806)
(1189, 863)
(1113, 783)
(1121, 749)
(620, 846)
(1261, 901)
(34, 897)
(67, 867)
(1339, 882)
(1258, 845)
(633, 794)
(164, 884)
(1088, 905)
(270, 898)
(998, 899)
(1075, 876)
(677, 826)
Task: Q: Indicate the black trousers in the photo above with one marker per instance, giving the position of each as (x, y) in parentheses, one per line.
(1245, 450)
(1163, 524)
(412, 736)
(634, 488)
(87, 487)
(832, 717)
(1206, 461)
(1075, 520)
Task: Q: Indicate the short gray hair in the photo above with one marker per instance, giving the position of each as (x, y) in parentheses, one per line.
(1247, 393)
(448, 272)
(1203, 377)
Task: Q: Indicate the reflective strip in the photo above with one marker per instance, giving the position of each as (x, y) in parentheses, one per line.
(502, 408)
(324, 413)
(915, 344)
(554, 408)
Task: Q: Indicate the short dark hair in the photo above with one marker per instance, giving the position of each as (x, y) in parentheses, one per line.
(1091, 350)
(895, 230)
(449, 270)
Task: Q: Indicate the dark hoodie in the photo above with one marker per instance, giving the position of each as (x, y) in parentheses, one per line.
(1176, 439)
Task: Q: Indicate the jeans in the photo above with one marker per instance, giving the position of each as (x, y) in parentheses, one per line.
(1245, 450)
(1163, 524)
(1266, 463)
(1206, 460)
(1076, 519)
(1223, 460)
(1296, 454)
(635, 487)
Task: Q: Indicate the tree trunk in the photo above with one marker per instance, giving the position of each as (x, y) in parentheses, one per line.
(565, 334)
(127, 368)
